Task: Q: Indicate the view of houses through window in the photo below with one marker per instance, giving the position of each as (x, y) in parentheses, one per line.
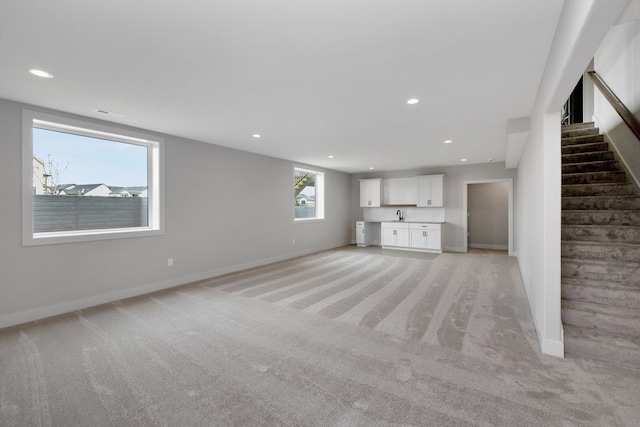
(83, 182)
(309, 194)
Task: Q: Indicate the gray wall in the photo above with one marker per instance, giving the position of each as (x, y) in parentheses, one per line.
(225, 210)
(488, 222)
(454, 181)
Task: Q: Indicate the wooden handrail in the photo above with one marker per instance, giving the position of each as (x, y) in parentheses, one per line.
(626, 115)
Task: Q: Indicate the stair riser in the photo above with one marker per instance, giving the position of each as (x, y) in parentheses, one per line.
(590, 349)
(597, 190)
(589, 250)
(579, 132)
(629, 298)
(588, 203)
(595, 178)
(585, 148)
(603, 322)
(627, 275)
(601, 234)
(604, 217)
(596, 156)
(606, 166)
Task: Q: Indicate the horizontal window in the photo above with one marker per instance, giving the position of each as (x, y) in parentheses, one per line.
(84, 181)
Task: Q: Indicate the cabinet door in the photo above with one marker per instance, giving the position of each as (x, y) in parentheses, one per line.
(402, 236)
(434, 240)
(360, 234)
(430, 191)
(419, 238)
(370, 193)
(389, 236)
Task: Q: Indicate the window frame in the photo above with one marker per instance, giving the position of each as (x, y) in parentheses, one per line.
(155, 177)
(319, 197)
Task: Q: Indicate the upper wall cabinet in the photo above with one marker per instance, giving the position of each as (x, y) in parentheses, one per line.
(401, 191)
(430, 190)
(370, 193)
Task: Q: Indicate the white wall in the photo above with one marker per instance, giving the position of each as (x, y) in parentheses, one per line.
(453, 233)
(617, 61)
(582, 26)
(243, 217)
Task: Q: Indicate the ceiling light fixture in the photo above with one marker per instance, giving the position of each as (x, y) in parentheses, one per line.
(331, 157)
(448, 141)
(41, 73)
(491, 160)
(413, 101)
(370, 167)
(463, 160)
(257, 135)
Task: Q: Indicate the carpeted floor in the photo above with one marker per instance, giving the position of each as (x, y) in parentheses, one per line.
(347, 337)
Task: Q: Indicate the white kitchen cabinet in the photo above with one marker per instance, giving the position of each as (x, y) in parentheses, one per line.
(364, 234)
(425, 236)
(400, 191)
(430, 190)
(370, 192)
(395, 234)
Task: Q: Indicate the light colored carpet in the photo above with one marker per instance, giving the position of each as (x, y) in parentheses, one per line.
(346, 337)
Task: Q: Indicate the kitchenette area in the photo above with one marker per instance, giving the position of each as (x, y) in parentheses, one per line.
(402, 213)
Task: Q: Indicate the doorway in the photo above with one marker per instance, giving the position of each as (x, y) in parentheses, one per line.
(488, 221)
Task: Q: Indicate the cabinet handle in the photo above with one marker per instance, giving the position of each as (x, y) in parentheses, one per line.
(369, 202)
(394, 232)
(424, 234)
(428, 202)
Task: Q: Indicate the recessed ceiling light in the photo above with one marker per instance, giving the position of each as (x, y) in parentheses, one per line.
(41, 73)
(448, 141)
(491, 160)
(331, 157)
(463, 160)
(413, 101)
(257, 135)
(370, 167)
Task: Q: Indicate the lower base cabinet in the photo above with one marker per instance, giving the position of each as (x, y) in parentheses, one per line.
(395, 234)
(413, 236)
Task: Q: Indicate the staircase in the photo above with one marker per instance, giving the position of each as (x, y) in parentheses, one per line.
(600, 251)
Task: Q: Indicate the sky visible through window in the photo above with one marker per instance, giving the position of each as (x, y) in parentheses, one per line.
(92, 160)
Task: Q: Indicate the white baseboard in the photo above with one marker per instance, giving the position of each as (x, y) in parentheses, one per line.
(455, 249)
(82, 303)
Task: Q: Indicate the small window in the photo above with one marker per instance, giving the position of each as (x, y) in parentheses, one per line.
(81, 178)
(308, 188)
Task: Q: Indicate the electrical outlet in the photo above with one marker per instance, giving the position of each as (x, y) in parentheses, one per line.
(170, 262)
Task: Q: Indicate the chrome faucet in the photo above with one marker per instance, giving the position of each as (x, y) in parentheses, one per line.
(399, 213)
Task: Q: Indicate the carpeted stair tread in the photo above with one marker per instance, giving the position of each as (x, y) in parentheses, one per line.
(601, 233)
(619, 320)
(625, 272)
(610, 347)
(588, 147)
(609, 293)
(584, 139)
(604, 251)
(578, 126)
(603, 189)
(591, 156)
(587, 167)
(601, 203)
(601, 217)
(594, 177)
(572, 133)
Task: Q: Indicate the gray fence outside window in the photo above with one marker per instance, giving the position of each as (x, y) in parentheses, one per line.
(71, 213)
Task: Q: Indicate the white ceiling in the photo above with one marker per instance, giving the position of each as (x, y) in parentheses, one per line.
(314, 77)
